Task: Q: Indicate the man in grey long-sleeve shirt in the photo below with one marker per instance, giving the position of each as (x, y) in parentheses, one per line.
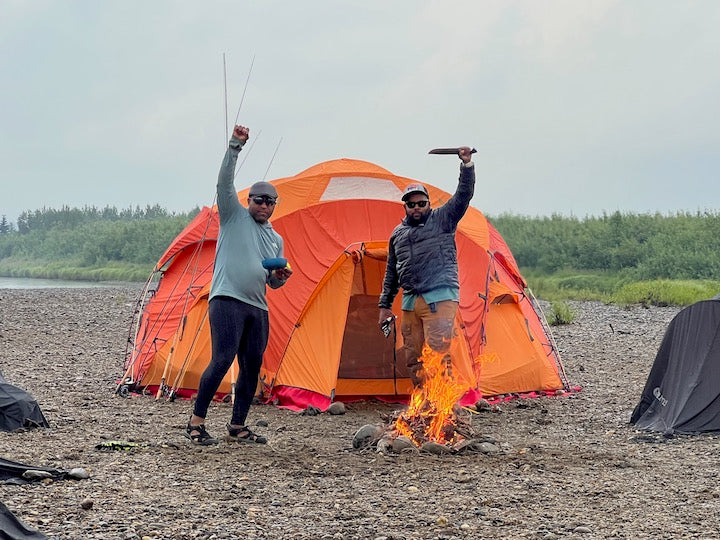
(237, 308)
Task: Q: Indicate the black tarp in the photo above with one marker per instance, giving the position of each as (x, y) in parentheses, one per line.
(18, 409)
(682, 393)
(11, 528)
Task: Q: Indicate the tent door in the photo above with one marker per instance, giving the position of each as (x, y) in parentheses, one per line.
(367, 357)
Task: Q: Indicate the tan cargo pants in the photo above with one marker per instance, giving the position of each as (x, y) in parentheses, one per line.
(431, 324)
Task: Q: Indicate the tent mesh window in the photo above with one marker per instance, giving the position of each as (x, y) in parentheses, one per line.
(366, 352)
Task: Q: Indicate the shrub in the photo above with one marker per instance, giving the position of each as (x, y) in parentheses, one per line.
(663, 292)
(560, 313)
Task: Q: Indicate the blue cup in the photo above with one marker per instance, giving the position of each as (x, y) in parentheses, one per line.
(275, 263)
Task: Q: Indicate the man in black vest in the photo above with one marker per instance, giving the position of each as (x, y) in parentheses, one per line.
(422, 259)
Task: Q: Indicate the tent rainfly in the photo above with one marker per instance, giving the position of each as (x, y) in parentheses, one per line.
(336, 218)
(18, 409)
(682, 392)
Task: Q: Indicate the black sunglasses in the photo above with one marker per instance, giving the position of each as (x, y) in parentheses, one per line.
(421, 204)
(263, 200)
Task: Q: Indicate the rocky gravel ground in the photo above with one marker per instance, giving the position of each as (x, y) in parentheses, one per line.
(567, 467)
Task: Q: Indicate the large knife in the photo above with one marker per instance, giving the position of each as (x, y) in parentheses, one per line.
(453, 151)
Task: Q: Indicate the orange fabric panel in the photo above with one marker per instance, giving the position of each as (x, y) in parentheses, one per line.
(370, 277)
(345, 167)
(474, 226)
(462, 364)
(510, 361)
(190, 354)
(294, 195)
(313, 354)
(313, 242)
(532, 317)
(498, 245)
(176, 291)
(203, 227)
(473, 262)
(500, 293)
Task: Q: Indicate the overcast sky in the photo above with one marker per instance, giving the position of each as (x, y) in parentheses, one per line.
(576, 107)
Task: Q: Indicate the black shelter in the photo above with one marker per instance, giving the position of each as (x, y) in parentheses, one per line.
(11, 528)
(682, 393)
(18, 409)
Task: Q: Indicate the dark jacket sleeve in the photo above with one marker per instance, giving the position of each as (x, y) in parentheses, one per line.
(390, 283)
(452, 211)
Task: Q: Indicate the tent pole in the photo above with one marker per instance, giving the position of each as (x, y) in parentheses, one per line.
(132, 335)
(553, 344)
(194, 257)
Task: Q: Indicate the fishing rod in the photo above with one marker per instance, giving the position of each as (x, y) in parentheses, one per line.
(227, 133)
(237, 115)
(132, 376)
(252, 145)
(162, 387)
(183, 367)
(272, 159)
(242, 98)
(128, 378)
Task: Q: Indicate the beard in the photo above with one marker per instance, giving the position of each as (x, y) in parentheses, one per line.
(414, 222)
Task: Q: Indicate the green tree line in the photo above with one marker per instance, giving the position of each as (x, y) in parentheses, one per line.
(633, 246)
(89, 242)
(594, 256)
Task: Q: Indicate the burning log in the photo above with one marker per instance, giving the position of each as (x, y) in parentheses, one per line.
(433, 421)
(431, 415)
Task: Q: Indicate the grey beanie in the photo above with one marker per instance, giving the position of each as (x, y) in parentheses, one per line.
(263, 188)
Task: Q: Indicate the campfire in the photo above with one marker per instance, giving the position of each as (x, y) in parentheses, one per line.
(433, 421)
(432, 414)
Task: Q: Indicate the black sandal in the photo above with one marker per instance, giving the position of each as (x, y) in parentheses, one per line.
(248, 437)
(199, 435)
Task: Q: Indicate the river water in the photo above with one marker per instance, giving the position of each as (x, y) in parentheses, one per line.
(32, 283)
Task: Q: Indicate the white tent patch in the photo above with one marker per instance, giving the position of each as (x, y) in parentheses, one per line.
(359, 187)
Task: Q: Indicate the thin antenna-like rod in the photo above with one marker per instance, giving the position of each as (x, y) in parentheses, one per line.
(242, 98)
(272, 158)
(252, 145)
(227, 133)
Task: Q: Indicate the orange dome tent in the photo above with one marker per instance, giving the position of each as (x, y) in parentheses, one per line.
(336, 218)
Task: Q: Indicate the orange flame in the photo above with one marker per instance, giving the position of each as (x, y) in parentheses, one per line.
(430, 414)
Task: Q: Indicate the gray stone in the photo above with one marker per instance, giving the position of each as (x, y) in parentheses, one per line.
(487, 448)
(32, 474)
(367, 435)
(384, 446)
(401, 444)
(483, 405)
(435, 448)
(78, 473)
(337, 407)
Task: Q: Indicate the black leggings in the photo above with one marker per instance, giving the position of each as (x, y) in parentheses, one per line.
(236, 328)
